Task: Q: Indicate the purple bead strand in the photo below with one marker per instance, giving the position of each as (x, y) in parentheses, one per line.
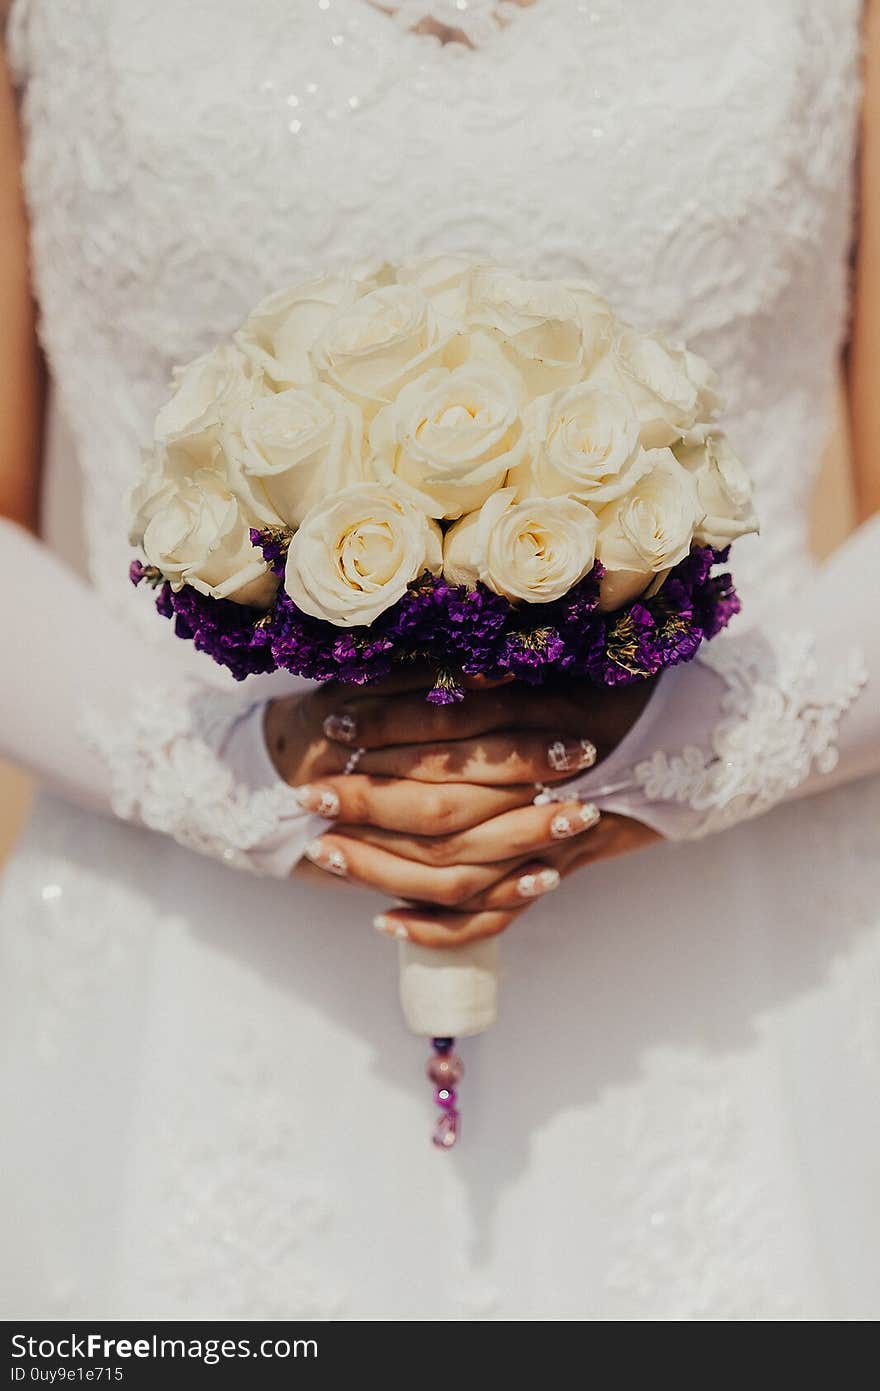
(445, 1069)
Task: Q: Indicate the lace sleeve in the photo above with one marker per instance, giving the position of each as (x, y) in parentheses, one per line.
(773, 713)
(194, 765)
(120, 726)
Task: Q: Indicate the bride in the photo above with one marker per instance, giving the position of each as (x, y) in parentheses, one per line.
(213, 1107)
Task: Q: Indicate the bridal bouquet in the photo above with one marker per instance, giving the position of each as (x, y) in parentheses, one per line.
(449, 464)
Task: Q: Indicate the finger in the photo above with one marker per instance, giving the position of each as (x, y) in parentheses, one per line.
(499, 759)
(442, 928)
(612, 836)
(526, 883)
(377, 869)
(523, 832)
(395, 804)
(375, 722)
(296, 724)
(486, 683)
(404, 678)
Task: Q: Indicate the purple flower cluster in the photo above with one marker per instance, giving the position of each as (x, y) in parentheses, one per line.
(456, 632)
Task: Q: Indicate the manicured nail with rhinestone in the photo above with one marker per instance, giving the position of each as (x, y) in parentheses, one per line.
(326, 858)
(571, 755)
(573, 823)
(533, 885)
(323, 801)
(341, 728)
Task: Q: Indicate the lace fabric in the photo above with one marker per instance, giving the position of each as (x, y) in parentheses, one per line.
(779, 721)
(171, 770)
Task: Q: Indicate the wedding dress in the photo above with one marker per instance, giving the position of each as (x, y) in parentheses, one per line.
(213, 1108)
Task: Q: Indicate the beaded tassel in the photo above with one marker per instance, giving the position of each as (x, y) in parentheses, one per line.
(445, 1070)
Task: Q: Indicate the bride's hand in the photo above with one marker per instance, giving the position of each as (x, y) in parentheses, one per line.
(461, 842)
(498, 737)
(299, 732)
(492, 911)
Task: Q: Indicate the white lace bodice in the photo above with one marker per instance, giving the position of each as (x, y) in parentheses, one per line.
(183, 160)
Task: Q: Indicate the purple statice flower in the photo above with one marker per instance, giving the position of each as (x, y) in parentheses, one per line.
(446, 690)
(227, 632)
(531, 652)
(139, 573)
(716, 603)
(273, 541)
(456, 631)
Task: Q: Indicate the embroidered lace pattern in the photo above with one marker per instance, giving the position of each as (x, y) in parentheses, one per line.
(780, 721)
(168, 772)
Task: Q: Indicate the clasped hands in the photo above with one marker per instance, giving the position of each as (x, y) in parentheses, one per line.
(439, 812)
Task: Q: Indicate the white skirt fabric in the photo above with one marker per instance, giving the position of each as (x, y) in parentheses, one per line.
(214, 1108)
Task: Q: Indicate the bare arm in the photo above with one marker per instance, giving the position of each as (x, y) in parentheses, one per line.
(21, 375)
(863, 370)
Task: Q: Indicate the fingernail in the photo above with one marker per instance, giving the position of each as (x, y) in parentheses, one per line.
(566, 824)
(571, 755)
(533, 885)
(390, 927)
(562, 826)
(323, 801)
(325, 858)
(341, 728)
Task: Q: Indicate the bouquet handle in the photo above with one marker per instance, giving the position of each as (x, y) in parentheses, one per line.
(446, 993)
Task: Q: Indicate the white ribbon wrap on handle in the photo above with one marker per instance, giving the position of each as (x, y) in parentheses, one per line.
(449, 994)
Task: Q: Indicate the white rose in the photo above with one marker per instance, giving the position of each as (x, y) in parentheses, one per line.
(355, 554)
(657, 378)
(443, 280)
(595, 311)
(204, 392)
(583, 441)
(278, 336)
(372, 273)
(598, 322)
(201, 536)
(158, 481)
(643, 535)
(538, 324)
(289, 450)
(452, 436)
(709, 401)
(371, 350)
(724, 490)
(534, 550)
